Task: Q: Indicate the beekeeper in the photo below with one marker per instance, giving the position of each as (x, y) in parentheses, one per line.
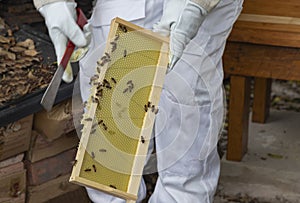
(191, 105)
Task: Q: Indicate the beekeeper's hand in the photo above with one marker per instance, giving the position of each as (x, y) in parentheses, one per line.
(60, 18)
(180, 21)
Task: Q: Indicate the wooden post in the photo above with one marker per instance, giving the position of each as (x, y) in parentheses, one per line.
(261, 102)
(238, 117)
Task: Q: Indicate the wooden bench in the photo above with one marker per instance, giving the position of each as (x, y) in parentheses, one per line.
(264, 45)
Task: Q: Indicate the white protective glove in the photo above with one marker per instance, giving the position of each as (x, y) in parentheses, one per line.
(60, 18)
(181, 20)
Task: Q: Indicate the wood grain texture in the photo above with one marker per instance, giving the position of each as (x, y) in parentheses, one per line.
(261, 102)
(268, 22)
(80, 195)
(13, 187)
(286, 35)
(51, 189)
(275, 7)
(11, 161)
(262, 61)
(14, 142)
(50, 168)
(11, 169)
(238, 117)
(41, 148)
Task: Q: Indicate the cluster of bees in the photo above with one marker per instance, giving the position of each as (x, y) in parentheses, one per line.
(107, 83)
(150, 106)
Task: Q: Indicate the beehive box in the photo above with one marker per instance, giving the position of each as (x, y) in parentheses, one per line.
(121, 111)
(13, 183)
(40, 148)
(50, 168)
(59, 118)
(50, 190)
(15, 137)
(269, 22)
(13, 160)
(79, 195)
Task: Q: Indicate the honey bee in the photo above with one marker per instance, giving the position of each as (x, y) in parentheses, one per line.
(125, 53)
(112, 186)
(123, 28)
(105, 127)
(130, 85)
(142, 139)
(99, 93)
(116, 37)
(113, 46)
(107, 55)
(153, 108)
(105, 81)
(98, 69)
(95, 100)
(145, 108)
(101, 121)
(101, 63)
(88, 170)
(95, 77)
(108, 86)
(94, 167)
(93, 131)
(97, 83)
(114, 80)
(88, 119)
(74, 162)
(103, 58)
(84, 104)
(93, 155)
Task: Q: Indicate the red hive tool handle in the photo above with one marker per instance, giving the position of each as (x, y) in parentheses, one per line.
(81, 21)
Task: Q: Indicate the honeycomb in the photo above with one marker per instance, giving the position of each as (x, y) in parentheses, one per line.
(119, 117)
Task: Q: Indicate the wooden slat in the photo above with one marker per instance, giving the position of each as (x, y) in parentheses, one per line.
(280, 20)
(265, 37)
(12, 142)
(11, 169)
(47, 169)
(142, 149)
(238, 117)
(268, 30)
(262, 61)
(13, 187)
(288, 8)
(104, 188)
(11, 161)
(41, 148)
(261, 102)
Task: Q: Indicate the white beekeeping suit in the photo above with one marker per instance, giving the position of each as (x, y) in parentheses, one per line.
(191, 105)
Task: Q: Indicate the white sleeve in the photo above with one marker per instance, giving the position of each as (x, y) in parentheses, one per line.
(39, 3)
(206, 4)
